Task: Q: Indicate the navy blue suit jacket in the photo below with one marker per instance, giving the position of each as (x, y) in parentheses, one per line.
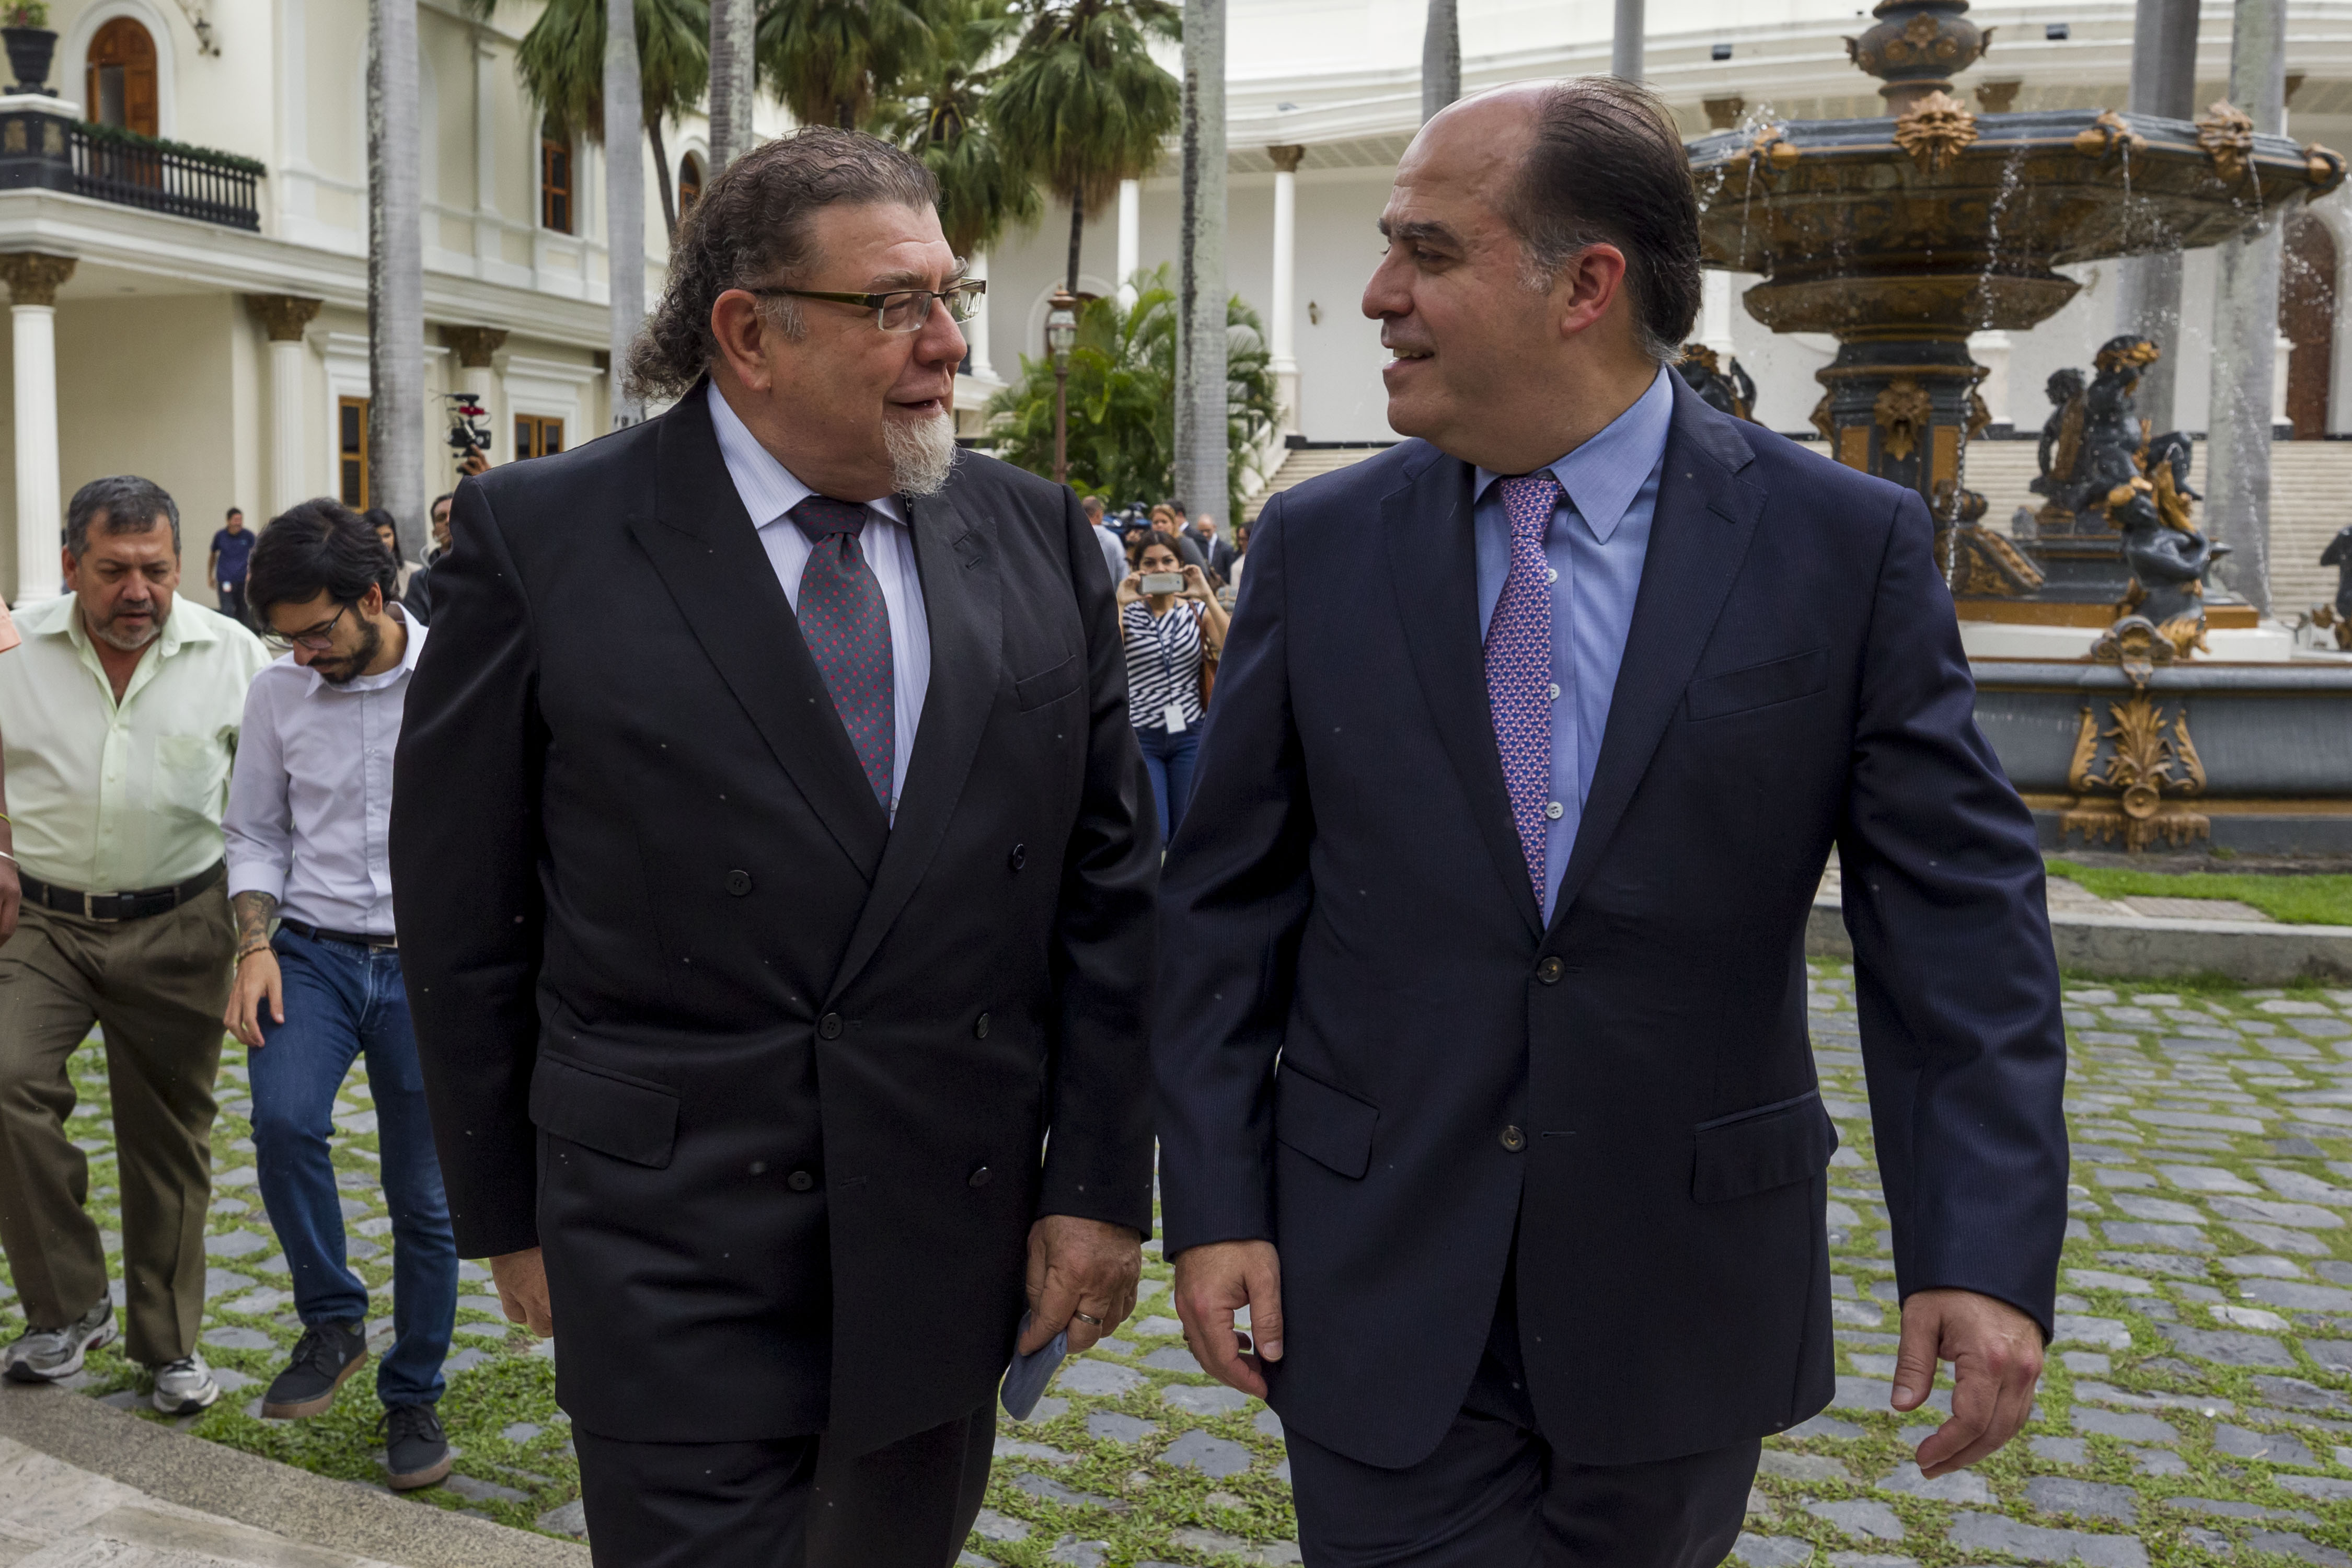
(1370, 1051)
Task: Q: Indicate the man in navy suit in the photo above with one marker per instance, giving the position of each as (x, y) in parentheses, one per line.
(1483, 1067)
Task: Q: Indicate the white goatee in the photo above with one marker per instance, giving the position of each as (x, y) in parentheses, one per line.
(921, 453)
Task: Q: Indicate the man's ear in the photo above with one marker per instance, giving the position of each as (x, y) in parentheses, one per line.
(742, 333)
(1589, 284)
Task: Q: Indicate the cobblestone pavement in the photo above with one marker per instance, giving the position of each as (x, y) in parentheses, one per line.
(2197, 1407)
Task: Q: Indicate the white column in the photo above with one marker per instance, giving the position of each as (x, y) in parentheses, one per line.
(1991, 350)
(1283, 353)
(489, 243)
(33, 281)
(40, 501)
(1131, 238)
(285, 426)
(2280, 350)
(975, 332)
(1715, 313)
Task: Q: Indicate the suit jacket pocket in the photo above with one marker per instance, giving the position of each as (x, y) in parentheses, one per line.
(1049, 685)
(631, 1119)
(1756, 1151)
(1758, 685)
(1330, 1126)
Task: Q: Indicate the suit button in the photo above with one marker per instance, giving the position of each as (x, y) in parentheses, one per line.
(1020, 856)
(1550, 971)
(800, 1181)
(979, 1178)
(979, 1027)
(1514, 1139)
(829, 1026)
(738, 882)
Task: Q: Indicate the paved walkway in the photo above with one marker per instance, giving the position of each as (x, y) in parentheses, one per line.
(2197, 1409)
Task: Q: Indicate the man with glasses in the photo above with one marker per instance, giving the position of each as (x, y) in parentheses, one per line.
(309, 818)
(774, 865)
(121, 715)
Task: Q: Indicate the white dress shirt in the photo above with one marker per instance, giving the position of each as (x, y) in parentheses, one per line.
(770, 491)
(310, 807)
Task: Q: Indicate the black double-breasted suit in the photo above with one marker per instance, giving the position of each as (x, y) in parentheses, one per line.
(770, 1076)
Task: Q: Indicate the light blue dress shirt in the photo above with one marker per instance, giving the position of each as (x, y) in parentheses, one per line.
(1598, 537)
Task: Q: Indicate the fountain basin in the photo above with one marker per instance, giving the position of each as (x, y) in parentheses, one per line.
(2274, 742)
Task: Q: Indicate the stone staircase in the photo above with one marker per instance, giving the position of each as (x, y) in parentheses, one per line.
(1300, 464)
(2311, 499)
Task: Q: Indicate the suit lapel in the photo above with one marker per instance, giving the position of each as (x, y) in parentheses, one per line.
(1705, 522)
(703, 544)
(1432, 562)
(963, 605)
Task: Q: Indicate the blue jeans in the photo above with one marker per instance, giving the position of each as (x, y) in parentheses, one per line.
(1168, 759)
(342, 1000)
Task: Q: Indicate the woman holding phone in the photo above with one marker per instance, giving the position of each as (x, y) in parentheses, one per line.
(1173, 628)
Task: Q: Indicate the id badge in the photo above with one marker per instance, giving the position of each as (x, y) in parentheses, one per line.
(1173, 716)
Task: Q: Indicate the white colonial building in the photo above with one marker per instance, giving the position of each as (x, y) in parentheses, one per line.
(201, 319)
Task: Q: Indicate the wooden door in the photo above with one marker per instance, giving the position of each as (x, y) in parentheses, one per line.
(351, 451)
(2308, 319)
(538, 436)
(119, 83)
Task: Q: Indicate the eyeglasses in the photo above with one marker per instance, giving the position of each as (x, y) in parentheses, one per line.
(902, 309)
(319, 639)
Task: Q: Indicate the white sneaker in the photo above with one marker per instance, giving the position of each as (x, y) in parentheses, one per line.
(184, 1386)
(45, 1355)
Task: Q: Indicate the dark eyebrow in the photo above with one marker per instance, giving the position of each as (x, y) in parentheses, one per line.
(1420, 229)
(885, 282)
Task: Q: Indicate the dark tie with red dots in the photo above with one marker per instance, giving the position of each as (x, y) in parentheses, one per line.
(848, 629)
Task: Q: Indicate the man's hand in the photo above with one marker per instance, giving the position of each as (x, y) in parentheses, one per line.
(1213, 1283)
(1081, 1270)
(256, 977)
(1996, 1355)
(12, 896)
(521, 1279)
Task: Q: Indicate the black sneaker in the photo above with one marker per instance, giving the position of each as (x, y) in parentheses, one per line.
(326, 1356)
(416, 1449)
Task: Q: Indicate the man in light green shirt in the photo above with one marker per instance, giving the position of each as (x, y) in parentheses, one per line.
(118, 714)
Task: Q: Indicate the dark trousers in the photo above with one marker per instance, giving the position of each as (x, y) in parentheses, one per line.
(231, 602)
(789, 1503)
(342, 1000)
(1493, 1495)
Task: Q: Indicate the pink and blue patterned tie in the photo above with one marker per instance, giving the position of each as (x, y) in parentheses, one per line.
(848, 628)
(1518, 664)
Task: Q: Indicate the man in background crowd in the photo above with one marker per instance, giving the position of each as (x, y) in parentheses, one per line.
(225, 566)
(1216, 551)
(308, 821)
(120, 722)
(1114, 551)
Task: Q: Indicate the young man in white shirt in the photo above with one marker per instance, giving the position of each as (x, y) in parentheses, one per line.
(308, 821)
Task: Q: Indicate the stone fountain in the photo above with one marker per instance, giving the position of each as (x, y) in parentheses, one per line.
(1902, 235)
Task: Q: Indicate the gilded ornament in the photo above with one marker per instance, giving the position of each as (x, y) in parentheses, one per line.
(1820, 419)
(2107, 135)
(1935, 129)
(2227, 135)
(1903, 412)
(2145, 765)
(2323, 167)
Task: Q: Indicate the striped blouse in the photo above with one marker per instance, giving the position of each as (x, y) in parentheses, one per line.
(1163, 664)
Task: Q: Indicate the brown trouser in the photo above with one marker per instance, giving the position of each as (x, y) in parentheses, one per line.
(158, 988)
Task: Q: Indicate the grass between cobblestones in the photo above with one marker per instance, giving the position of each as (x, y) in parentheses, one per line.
(2196, 1410)
(2304, 899)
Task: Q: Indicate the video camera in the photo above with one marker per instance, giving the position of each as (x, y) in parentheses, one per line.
(467, 433)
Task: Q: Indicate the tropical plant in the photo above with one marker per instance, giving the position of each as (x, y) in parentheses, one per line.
(1082, 105)
(25, 14)
(562, 62)
(1122, 443)
(943, 120)
(831, 60)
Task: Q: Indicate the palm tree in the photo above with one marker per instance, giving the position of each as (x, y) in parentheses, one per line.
(1082, 105)
(395, 272)
(943, 120)
(562, 63)
(1441, 57)
(1203, 466)
(732, 54)
(832, 59)
(624, 204)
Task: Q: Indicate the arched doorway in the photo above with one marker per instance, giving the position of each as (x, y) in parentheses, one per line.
(118, 80)
(689, 183)
(2308, 321)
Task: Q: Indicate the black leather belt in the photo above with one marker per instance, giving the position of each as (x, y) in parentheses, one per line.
(349, 937)
(112, 907)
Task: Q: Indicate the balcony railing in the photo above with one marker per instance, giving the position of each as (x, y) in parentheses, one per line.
(49, 151)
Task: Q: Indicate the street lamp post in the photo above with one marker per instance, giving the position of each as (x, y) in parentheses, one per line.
(1061, 332)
